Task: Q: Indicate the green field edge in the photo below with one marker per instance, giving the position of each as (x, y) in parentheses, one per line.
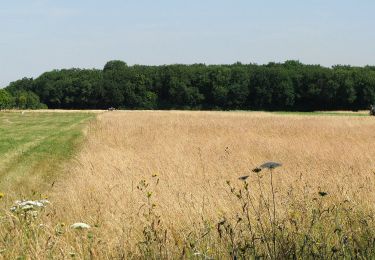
(36, 168)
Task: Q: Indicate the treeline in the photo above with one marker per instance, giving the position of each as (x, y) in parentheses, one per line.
(275, 86)
(19, 100)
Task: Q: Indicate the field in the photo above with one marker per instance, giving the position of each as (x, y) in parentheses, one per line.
(33, 145)
(157, 184)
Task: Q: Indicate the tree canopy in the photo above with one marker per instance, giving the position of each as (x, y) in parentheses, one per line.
(274, 86)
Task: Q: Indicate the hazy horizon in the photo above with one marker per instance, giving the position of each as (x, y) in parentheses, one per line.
(42, 35)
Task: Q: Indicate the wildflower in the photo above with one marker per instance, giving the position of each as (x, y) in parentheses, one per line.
(80, 225)
(198, 254)
(2, 195)
(44, 202)
(270, 165)
(26, 205)
(256, 170)
(34, 213)
(243, 178)
(267, 165)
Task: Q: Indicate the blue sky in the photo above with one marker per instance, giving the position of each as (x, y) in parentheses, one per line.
(41, 35)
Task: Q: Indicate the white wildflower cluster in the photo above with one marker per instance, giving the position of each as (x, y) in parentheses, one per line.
(80, 226)
(28, 205)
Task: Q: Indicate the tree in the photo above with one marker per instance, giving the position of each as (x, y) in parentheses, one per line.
(114, 82)
(27, 100)
(6, 99)
(24, 84)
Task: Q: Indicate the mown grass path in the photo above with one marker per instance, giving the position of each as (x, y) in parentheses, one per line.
(33, 147)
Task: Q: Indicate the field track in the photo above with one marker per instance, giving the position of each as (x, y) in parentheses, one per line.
(33, 146)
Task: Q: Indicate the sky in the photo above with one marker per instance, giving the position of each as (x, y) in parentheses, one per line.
(42, 35)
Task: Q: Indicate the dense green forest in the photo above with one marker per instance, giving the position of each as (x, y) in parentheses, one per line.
(275, 86)
(20, 99)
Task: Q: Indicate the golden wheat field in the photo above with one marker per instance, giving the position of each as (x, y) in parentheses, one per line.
(166, 185)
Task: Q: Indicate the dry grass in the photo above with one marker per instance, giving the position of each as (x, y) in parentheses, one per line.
(192, 155)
